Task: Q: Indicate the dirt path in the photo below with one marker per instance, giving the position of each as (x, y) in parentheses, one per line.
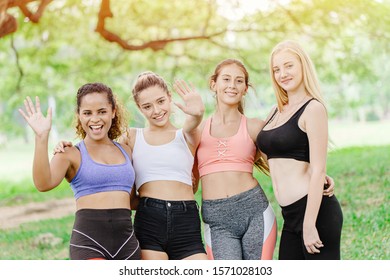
(13, 216)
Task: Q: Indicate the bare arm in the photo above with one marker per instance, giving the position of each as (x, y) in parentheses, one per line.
(47, 175)
(193, 108)
(316, 125)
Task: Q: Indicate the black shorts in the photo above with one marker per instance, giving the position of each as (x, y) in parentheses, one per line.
(104, 233)
(172, 227)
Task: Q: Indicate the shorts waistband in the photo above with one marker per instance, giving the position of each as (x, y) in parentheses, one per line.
(168, 204)
(89, 212)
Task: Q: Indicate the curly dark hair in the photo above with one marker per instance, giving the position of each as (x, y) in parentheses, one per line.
(119, 123)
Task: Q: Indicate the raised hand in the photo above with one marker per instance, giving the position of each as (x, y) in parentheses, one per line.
(193, 104)
(34, 117)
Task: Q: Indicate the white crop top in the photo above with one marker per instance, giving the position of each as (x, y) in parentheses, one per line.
(172, 161)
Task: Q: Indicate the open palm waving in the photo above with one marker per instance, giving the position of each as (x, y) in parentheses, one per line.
(34, 117)
(193, 104)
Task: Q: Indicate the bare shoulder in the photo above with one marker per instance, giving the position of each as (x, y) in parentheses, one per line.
(272, 111)
(254, 125)
(128, 137)
(127, 149)
(70, 152)
(315, 108)
(71, 156)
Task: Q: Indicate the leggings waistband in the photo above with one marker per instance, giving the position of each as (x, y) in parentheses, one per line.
(236, 198)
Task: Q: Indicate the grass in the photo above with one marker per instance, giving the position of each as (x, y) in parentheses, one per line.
(362, 176)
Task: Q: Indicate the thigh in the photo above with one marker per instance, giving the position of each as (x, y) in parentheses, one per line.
(225, 246)
(153, 255)
(222, 242)
(150, 227)
(185, 236)
(259, 240)
(291, 246)
(329, 224)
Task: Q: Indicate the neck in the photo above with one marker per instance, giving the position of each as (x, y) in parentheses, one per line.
(227, 115)
(166, 127)
(296, 98)
(104, 141)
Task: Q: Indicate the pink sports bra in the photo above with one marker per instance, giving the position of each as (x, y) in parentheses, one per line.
(235, 153)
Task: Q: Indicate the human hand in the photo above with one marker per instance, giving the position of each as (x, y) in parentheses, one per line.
(60, 147)
(34, 117)
(193, 104)
(312, 240)
(329, 186)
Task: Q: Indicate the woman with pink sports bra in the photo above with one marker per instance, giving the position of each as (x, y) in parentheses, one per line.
(239, 221)
(294, 141)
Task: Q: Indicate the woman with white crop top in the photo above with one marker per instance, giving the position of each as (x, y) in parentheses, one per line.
(167, 222)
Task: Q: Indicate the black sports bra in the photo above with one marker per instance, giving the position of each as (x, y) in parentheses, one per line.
(287, 140)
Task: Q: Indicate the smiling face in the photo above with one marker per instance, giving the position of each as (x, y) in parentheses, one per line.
(95, 115)
(287, 71)
(230, 85)
(155, 104)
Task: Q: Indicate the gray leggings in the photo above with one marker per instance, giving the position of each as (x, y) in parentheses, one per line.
(241, 227)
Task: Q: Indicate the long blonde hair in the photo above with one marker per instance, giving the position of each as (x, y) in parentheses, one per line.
(310, 79)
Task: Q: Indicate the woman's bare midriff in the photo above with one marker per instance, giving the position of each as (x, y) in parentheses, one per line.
(290, 179)
(226, 184)
(104, 200)
(167, 190)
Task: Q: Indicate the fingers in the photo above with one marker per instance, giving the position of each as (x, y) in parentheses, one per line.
(27, 105)
(182, 88)
(31, 105)
(314, 248)
(60, 147)
(23, 114)
(180, 106)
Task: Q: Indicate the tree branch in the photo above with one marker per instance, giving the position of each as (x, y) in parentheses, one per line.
(20, 70)
(8, 23)
(155, 45)
(34, 17)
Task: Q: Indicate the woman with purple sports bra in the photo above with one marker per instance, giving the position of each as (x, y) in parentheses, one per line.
(99, 170)
(167, 222)
(294, 140)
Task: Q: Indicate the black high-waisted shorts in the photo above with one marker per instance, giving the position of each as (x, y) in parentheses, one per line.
(172, 227)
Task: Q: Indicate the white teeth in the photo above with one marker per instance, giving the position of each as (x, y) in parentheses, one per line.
(95, 126)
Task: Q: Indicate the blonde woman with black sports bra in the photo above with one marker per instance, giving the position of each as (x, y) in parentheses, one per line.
(294, 140)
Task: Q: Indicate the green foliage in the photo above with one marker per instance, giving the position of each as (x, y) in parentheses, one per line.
(347, 40)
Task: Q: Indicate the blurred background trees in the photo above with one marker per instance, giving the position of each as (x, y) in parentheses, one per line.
(50, 48)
